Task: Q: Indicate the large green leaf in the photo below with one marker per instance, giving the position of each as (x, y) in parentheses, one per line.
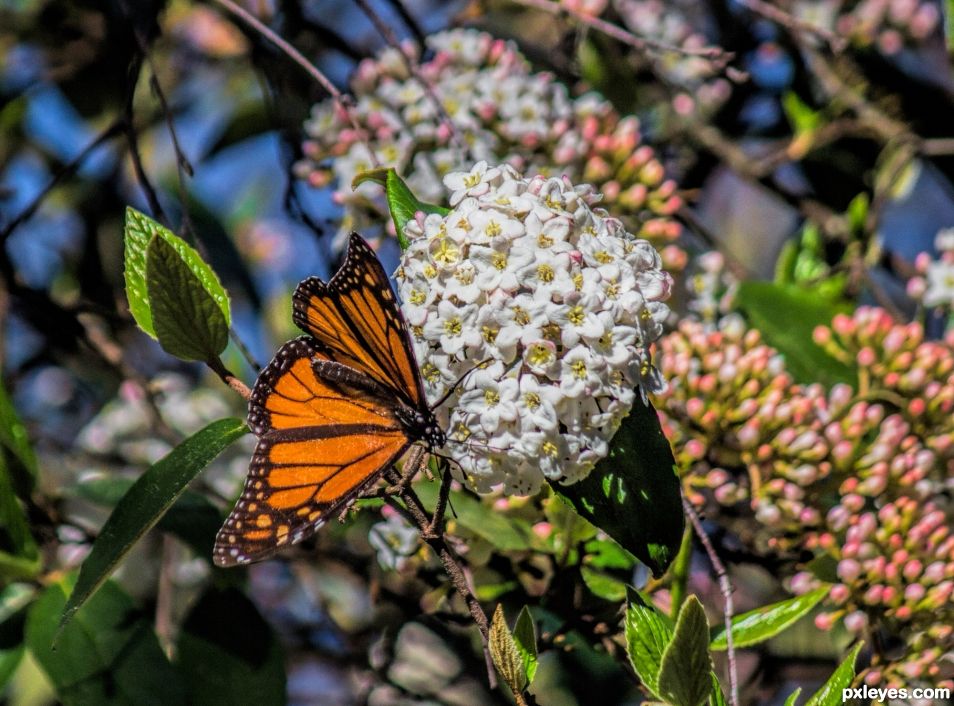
(766, 622)
(633, 494)
(228, 654)
(502, 532)
(401, 200)
(648, 633)
(603, 585)
(189, 322)
(686, 665)
(146, 502)
(14, 438)
(787, 315)
(841, 678)
(14, 606)
(108, 655)
(192, 518)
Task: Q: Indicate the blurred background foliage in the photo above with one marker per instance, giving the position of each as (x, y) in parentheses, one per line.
(807, 153)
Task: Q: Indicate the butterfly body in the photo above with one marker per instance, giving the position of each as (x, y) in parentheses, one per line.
(333, 410)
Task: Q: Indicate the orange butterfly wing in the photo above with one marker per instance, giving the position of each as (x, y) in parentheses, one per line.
(355, 316)
(326, 434)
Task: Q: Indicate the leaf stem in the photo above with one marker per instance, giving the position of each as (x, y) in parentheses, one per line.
(229, 378)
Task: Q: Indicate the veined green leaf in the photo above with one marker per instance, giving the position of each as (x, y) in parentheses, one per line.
(686, 666)
(401, 200)
(841, 678)
(506, 656)
(525, 638)
(766, 622)
(648, 633)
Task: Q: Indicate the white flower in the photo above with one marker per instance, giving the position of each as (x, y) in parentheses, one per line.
(556, 303)
(940, 284)
(394, 540)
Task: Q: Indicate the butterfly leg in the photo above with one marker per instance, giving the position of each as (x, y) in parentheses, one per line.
(416, 460)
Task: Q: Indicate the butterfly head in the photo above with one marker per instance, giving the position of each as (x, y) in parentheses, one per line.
(421, 424)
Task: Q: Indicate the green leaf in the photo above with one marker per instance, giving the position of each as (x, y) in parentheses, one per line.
(787, 316)
(136, 235)
(603, 585)
(607, 554)
(19, 557)
(766, 622)
(401, 200)
(686, 666)
(841, 678)
(192, 518)
(228, 654)
(716, 697)
(146, 502)
(648, 633)
(14, 606)
(189, 322)
(633, 494)
(793, 697)
(14, 438)
(108, 655)
(525, 638)
(502, 532)
(802, 117)
(506, 656)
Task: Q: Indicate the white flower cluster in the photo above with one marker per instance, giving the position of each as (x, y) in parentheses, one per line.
(495, 106)
(547, 308)
(935, 285)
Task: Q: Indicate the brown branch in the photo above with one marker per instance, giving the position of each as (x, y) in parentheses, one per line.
(726, 587)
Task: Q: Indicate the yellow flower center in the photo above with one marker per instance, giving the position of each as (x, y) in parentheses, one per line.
(532, 400)
(499, 261)
(491, 397)
(417, 297)
(579, 370)
(471, 180)
(539, 354)
(576, 315)
(521, 316)
(549, 449)
(545, 273)
(446, 252)
(493, 229)
(453, 327)
(489, 334)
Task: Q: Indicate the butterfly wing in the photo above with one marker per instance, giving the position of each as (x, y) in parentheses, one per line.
(356, 318)
(326, 433)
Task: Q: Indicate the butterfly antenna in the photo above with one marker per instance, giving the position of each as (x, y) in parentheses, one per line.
(460, 380)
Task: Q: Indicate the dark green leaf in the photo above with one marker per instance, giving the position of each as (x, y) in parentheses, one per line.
(401, 200)
(506, 656)
(716, 697)
(19, 557)
(137, 234)
(14, 606)
(13, 436)
(504, 533)
(787, 316)
(603, 585)
(189, 323)
(607, 554)
(768, 621)
(192, 518)
(108, 655)
(648, 633)
(841, 678)
(686, 666)
(146, 502)
(525, 638)
(633, 494)
(228, 654)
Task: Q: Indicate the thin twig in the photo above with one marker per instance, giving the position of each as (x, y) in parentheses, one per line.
(719, 57)
(437, 521)
(243, 349)
(340, 98)
(110, 131)
(795, 25)
(726, 587)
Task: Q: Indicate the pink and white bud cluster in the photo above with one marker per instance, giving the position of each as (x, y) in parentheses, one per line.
(859, 476)
(934, 284)
(702, 89)
(887, 25)
(545, 308)
(504, 114)
(895, 565)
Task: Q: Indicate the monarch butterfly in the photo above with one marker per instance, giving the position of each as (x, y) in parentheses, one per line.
(332, 410)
